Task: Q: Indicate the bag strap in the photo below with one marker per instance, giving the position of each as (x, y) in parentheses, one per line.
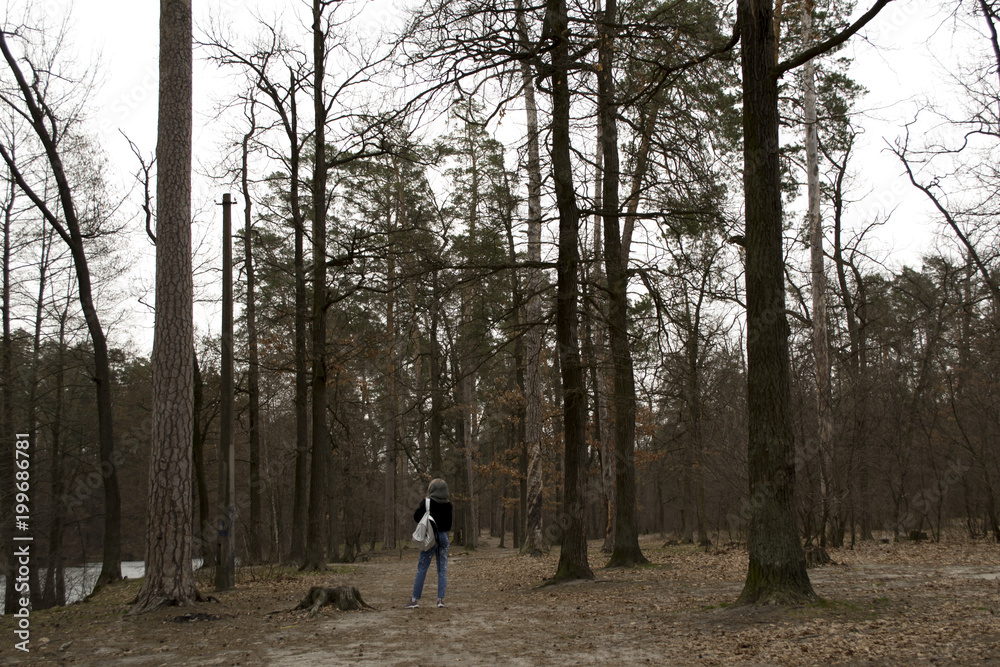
(430, 517)
(427, 504)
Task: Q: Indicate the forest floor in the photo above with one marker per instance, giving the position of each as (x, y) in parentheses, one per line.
(901, 604)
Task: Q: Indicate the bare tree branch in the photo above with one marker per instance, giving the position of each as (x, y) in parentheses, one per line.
(831, 43)
(144, 175)
(994, 288)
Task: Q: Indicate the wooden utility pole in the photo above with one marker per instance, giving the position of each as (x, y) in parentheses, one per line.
(226, 556)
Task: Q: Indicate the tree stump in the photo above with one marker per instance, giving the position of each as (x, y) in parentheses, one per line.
(344, 598)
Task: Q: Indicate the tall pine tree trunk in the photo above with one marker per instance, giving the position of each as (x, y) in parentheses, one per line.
(517, 308)
(55, 586)
(437, 391)
(389, 508)
(55, 528)
(469, 396)
(301, 482)
(821, 345)
(856, 372)
(418, 371)
(604, 428)
(533, 542)
(299, 494)
(169, 576)
(695, 444)
(206, 531)
(253, 362)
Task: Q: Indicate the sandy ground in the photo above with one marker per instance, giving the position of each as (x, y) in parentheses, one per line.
(899, 604)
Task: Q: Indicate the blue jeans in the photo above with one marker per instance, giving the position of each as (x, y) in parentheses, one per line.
(441, 551)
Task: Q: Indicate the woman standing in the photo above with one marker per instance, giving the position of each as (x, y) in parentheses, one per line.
(441, 514)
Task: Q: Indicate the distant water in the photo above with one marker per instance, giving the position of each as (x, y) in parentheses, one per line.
(80, 580)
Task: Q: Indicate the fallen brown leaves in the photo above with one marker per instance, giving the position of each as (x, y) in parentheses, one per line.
(904, 604)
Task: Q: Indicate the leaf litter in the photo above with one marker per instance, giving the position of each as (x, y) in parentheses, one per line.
(897, 604)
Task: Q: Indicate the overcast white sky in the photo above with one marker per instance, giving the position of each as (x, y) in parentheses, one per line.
(902, 62)
(122, 36)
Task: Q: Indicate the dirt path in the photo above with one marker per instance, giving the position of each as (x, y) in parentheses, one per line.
(905, 604)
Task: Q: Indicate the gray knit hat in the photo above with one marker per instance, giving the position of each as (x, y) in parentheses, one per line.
(438, 491)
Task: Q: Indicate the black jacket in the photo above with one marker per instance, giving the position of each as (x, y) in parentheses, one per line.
(440, 512)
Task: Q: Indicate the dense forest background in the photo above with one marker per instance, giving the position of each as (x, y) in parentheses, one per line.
(436, 319)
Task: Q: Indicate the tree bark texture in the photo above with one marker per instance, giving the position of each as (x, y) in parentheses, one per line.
(416, 341)
(777, 569)
(821, 344)
(436, 389)
(391, 401)
(55, 581)
(573, 553)
(519, 444)
(469, 398)
(693, 399)
(626, 552)
(169, 576)
(205, 528)
(53, 567)
(253, 362)
(315, 557)
(604, 429)
(856, 361)
(534, 542)
(300, 497)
